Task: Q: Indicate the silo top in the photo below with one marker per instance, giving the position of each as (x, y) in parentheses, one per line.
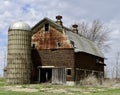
(20, 25)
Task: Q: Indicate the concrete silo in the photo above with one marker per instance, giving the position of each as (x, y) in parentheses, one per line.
(19, 54)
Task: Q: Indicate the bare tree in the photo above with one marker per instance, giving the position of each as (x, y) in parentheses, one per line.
(117, 65)
(96, 32)
(112, 71)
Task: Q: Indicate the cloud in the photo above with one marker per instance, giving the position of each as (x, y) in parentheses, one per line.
(73, 11)
(114, 26)
(3, 59)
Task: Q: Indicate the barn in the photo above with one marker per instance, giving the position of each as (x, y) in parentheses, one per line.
(50, 53)
(60, 55)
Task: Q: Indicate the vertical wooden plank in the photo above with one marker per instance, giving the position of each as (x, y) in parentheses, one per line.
(39, 76)
(58, 75)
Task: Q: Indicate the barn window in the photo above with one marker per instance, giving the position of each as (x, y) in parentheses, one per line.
(46, 27)
(34, 44)
(69, 71)
(59, 44)
(72, 43)
(97, 61)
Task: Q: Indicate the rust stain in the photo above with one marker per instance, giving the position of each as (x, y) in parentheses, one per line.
(49, 39)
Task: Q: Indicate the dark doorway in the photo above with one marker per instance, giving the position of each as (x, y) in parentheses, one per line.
(45, 75)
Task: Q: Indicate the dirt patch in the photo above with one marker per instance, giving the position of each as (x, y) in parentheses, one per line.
(58, 91)
(19, 88)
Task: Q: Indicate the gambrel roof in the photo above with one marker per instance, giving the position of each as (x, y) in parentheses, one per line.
(81, 44)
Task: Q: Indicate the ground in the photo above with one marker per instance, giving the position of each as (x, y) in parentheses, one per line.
(49, 89)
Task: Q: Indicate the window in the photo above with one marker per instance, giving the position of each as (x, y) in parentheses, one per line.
(97, 61)
(59, 44)
(72, 43)
(69, 71)
(46, 27)
(34, 44)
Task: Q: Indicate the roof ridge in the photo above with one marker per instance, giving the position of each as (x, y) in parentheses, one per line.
(78, 34)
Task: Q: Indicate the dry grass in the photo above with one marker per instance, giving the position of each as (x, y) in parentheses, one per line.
(111, 83)
(90, 81)
(93, 81)
(90, 86)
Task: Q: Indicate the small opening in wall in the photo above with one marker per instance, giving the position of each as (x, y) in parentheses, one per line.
(46, 27)
(69, 71)
(59, 44)
(72, 43)
(33, 45)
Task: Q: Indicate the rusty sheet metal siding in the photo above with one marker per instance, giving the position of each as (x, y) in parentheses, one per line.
(49, 39)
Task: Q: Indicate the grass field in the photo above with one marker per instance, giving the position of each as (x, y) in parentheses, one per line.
(49, 89)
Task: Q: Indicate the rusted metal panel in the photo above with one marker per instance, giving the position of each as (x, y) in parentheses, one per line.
(49, 39)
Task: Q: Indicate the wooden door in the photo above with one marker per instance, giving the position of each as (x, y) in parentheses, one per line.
(58, 76)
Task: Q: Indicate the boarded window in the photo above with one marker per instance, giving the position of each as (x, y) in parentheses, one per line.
(46, 27)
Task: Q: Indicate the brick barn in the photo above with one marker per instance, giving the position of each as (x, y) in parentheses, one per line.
(60, 55)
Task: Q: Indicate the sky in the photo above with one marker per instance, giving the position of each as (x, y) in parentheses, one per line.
(72, 11)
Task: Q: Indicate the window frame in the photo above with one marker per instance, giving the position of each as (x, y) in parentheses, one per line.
(46, 27)
(69, 71)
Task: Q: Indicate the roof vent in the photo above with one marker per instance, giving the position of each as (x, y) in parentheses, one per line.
(75, 28)
(59, 22)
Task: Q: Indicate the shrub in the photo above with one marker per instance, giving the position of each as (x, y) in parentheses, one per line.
(90, 80)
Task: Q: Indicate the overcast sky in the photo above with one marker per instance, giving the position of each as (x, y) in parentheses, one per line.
(73, 11)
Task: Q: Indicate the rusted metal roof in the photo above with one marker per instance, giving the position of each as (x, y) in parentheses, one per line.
(82, 44)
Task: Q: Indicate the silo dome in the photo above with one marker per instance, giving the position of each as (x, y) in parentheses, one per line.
(20, 25)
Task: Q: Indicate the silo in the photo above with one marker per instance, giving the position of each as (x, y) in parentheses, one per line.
(19, 54)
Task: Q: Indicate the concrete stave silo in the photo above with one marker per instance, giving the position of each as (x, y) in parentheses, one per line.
(19, 54)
